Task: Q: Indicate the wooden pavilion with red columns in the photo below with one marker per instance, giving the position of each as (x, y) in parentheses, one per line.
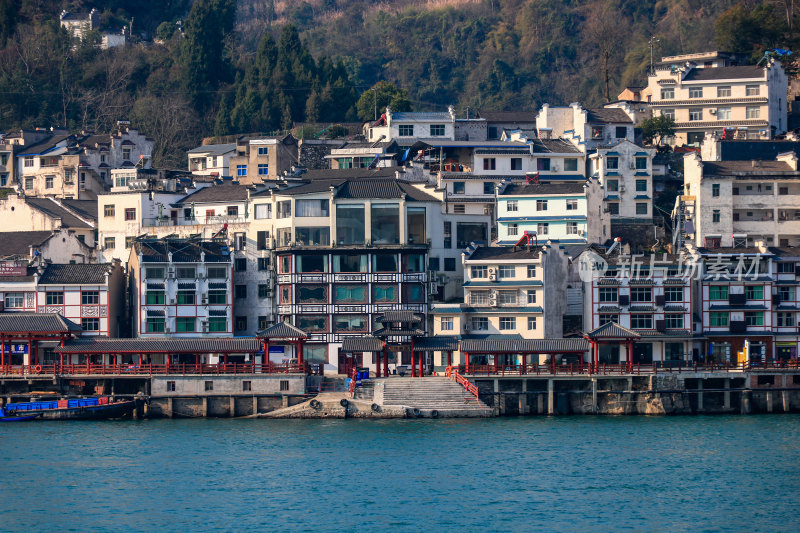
(21, 335)
(284, 333)
(446, 344)
(399, 333)
(364, 344)
(523, 348)
(612, 334)
(159, 351)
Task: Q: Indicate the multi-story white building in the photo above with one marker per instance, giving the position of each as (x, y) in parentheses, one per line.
(408, 127)
(786, 302)
(625, 171)
(76, 217)
(737, 203)
(181, 288)
(586, 128)
(212, 159)
(704, 93)
(567, 212)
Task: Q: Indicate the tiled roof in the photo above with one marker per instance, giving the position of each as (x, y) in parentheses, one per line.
(722, 168)
(749, 150)
(725, 73)
(399, 316)
(544, 189)
(439, 342)
(612, 330)
(36, 323)
(390, 332)
(163, 345)
(607, 115)
(650, 333)
(214, 149)
(51, 208)
(485, 253)
(83, 208)
(225, 192)
(553, 146)
(367, 343)
(509, 117)
(19, 242)
(183, 251)
(77, 274)
(347, 173)
(44, 146)
(524, 345)
(383, 188)
(420, 116)
(282, 330)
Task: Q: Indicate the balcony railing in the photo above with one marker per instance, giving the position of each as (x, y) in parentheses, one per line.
(216, 219)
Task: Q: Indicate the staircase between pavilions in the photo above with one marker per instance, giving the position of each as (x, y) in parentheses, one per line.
(429, 394)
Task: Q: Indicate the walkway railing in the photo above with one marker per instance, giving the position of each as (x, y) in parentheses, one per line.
(151, 369)
(461, 380)
(620, 369)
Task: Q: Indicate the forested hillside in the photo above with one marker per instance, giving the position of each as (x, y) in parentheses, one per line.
(194, 69)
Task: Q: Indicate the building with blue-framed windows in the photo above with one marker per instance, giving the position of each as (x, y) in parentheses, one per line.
(564, 212)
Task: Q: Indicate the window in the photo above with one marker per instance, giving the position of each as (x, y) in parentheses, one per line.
(263, 211)
(186, 297)
(753, 112)
(209, 385)
(14, 300)
(154, 273)
(609, 294)
(723, 91)
(263, 323)
(406, 130)
(350, 224)
(110, 243)
(4, 179)
(187, 272)
(505, 271)
(385, 263)
(263, 169)
(718, 319)
(516, 163)
(531, 322)
(240, 323)
(531, 296)
(572, 228)
(508, 322)
(415, 263)
(90, 324)
(480, 323)
(641, 163)
(752, 90)
(126, 154)
(513, 230)
(241, 170)
(130, 214)
(612, 162)
(754, 318)
(715, 189)
(507, 297)
(572, 205)
(541, 205)
(621, 132)
(641, 208)
(349, 263)
(695, 92)
(154, 298)
(346, 323)
(49, 182)
(479, 297)
(695, 113)
(542, 229)
(28, 161)
(715, 216)
(247, 385)
(437, 130)
(458, 187)
(718, 292)
(262, 290)
(723, 113)
(543, 163)
(605, 318)
(641, 185)
(613, 208)
(447, 323)
(263, 263)
(185, 324)
(641, 294)
(488, 187)
(667, 93)
(384, 293)
(449, 264)
(217, 272)
(612, 185)
(459, 209)
(786, 320)
(673, 294)
(90, 298)
(489, 163)
(108, 210)
(240, 291)
(350, 293)
(311, 208)
(284, 209)
(479, 272)
(154, 325)
(754, 292)
(642, 321)
(669, 113)
(674, 321)
(570, 164)
(512, 206)
(263, 150)
(170, 386)
(531, 271)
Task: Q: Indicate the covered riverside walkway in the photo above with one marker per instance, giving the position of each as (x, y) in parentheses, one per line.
(522, 350)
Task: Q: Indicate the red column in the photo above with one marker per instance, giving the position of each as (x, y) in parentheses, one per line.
(523, 359)
(2, 351)
(30, 352)
(496, 357)
(421, 364)
(265, 360)
(300, 353)
(450, 358)
(386, 364)
(378, 363)
(466, 361)
(413, 364)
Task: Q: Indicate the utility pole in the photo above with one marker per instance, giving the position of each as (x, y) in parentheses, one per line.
(653, 41)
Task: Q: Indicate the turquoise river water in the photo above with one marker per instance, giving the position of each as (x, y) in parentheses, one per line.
(722, 473)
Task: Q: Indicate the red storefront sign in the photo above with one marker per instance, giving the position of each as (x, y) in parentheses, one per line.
(12, 270)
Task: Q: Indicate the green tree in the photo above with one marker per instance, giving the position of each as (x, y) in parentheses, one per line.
(378, 97)
(655, 129)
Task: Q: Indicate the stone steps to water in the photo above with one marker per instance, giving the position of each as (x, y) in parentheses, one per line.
(429, 393)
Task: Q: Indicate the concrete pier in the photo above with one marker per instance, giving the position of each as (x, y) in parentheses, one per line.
(550, 397)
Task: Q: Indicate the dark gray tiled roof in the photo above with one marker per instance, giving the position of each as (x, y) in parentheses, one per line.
(391, 332)
(544, 188)
(723, 168)
(607, 115)
(612, 330)
(439, 342)
(400, 316)
(349, 173)
(83, 208)
(282, 330)
(51, 208)
(44, 146)
(163, 345)
(183, 251)
(36, 323)
(553, 146)
(69, 274)
(367, 343)
(19, 242)
(725, 73)
(215, 149)
(225, 192)
(485, 253)
(650, 333)
(524, 345)
(363, 188)
(509, 117)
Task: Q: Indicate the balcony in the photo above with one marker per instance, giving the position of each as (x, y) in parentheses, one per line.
(199, 221)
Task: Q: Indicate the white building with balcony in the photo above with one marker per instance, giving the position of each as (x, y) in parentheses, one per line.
(408, 127)
(212, 159)
(586, 128)
(625, 172)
